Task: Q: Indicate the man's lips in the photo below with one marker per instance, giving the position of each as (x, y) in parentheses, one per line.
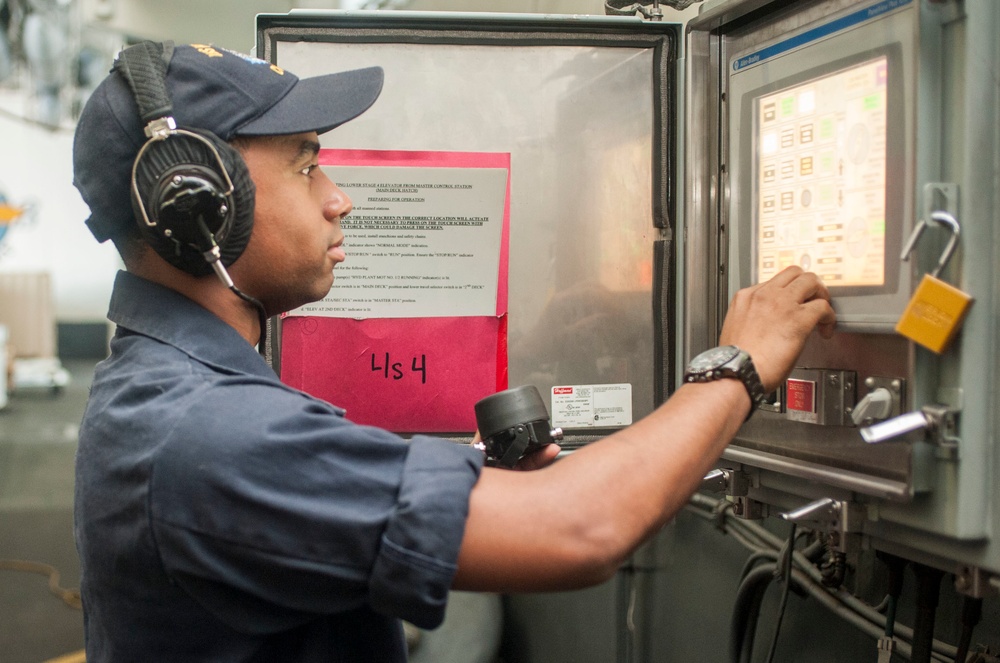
(336, 252)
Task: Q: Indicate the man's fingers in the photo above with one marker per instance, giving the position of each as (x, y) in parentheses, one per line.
(808, 286)
(786, 276)
(822, 315)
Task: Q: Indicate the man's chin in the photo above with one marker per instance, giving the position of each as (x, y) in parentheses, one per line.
(321, 290)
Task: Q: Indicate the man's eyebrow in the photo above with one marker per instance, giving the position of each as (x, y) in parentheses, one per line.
(308, 149)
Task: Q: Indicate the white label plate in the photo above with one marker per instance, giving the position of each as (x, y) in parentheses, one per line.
(592, 405)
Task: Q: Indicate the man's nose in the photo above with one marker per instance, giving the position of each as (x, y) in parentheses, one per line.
(336, 203)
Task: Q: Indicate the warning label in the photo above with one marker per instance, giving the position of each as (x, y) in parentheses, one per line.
(592, 405)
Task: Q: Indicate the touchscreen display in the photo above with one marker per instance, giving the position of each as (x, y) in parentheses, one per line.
(819, 173)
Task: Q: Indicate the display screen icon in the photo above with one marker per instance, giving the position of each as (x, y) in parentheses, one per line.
(826, 138)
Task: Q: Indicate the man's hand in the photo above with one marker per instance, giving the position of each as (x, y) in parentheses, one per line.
(536, 460)
(771, 321)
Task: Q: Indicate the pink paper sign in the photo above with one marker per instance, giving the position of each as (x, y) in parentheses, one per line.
(409, 375)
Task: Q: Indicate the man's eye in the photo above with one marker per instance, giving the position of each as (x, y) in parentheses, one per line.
(309, 169)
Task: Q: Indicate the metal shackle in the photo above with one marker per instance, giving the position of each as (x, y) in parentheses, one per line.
(937, 218)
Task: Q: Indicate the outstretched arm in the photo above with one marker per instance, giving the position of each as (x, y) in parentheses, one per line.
(573, 523)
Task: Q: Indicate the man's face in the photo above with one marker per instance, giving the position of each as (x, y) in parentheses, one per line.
(296, 236)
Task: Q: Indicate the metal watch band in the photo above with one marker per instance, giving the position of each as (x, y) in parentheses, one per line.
(739, 366)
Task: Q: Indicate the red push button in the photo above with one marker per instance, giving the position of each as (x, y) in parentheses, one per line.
(801, 395)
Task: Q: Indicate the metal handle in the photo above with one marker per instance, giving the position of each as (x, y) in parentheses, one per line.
(895, 427)
(938, 217)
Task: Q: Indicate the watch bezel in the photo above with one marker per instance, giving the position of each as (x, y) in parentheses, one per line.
(728, 361)
(705, 365)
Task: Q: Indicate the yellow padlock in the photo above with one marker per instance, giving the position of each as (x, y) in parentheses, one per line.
(937, 309)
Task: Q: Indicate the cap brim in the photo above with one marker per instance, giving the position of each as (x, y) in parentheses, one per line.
(319, 104)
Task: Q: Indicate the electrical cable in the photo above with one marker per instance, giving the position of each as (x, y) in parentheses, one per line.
(928, 593)
(972, 611)
(841, 602)
(746, 611)
(70, 597)
(882, 607)
(860, 607)
(213, 256)
(832, 603)
(943, 649)
(745, 541)
(896, 567)
(261, 315)
(756, 558)
(890, 616)
(762, 539)
(810, 552)
(731, 530)
(786, 571)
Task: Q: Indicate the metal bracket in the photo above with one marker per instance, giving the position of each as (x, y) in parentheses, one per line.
(830, 515)
(942, 429)
(976, 583)
(747, 508)
(940, 196)
(724, 480)
(735, 484)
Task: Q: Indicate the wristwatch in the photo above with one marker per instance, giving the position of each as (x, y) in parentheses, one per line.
(727, 361)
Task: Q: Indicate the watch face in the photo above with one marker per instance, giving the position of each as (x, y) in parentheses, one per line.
(713, 358)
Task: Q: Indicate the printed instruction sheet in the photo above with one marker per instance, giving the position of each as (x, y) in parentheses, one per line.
(421, 242)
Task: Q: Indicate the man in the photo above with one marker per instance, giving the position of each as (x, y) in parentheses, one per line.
(221, 515)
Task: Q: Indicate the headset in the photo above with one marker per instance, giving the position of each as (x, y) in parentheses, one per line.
(191, 192)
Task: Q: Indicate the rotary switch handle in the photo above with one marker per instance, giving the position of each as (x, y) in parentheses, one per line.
(875, 406)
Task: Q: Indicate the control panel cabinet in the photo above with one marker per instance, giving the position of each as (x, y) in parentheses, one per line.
(858, 140)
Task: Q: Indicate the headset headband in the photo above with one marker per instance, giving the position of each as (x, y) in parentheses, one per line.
(144, 67)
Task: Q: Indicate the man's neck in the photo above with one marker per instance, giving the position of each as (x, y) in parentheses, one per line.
(207, 291)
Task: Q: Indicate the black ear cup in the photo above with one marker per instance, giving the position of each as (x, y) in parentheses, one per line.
(184, 199)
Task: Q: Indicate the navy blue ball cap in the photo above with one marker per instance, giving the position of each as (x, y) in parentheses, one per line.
(213, 89)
